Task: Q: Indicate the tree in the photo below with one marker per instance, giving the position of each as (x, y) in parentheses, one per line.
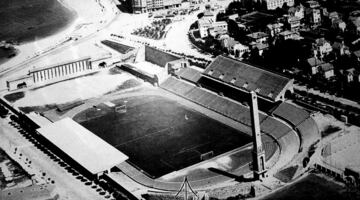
(233, 28)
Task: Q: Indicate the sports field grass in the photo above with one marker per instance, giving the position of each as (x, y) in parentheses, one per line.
(160, 135)
(26, 20)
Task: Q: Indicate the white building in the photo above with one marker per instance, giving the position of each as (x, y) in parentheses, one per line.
(240, 49)
(273, 4)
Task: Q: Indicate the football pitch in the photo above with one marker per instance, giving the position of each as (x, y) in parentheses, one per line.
(160, 135)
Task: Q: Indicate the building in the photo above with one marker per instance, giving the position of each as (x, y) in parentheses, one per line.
(322, 47)
(352, 75)
(231, 73)
(273, 4)
(312, 12)
(321, 67)
(240, 49)
(204, 25)
(209, 26)
(216, 28)
(327, 70)
(274, 29)
(227, 42)
(142, 6)
(294, 22)
(19, 82)
(80, 148)
(258, 37)
(285, 35)
(53, 73)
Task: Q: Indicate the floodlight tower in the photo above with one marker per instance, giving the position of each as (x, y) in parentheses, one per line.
(258, 153)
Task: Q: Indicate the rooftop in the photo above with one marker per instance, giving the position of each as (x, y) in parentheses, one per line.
(84, 147)
(314, 62)
(246, 77)
(19, 78)
(58, 64)
(257, 35)
(327, 67)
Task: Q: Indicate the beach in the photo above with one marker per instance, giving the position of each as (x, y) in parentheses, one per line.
(91, 16)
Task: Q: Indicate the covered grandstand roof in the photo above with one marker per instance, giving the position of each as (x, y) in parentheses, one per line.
(59, 64)
(84, 147)
(158, 57)
(247, 77)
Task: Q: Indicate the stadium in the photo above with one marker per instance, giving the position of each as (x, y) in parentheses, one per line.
(193, 124)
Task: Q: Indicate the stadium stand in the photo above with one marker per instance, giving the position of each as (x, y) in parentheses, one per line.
(121, 48)
(158, 57)
(308, 131)
(248, 77)
(291, 113)
(223, 106)
(189, 74)
(274, 128)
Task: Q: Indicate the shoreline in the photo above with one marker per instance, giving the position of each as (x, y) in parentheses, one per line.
(18, 47)
(87, 20)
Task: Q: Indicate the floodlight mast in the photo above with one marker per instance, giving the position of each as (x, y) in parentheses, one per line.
(258, 152)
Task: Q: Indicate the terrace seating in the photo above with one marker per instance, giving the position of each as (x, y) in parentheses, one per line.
(224, 106)
(307, 129)
(291, 113)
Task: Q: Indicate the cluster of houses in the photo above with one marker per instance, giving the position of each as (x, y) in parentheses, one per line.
(308, 22)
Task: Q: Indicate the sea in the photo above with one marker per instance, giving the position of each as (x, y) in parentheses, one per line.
(24, 21)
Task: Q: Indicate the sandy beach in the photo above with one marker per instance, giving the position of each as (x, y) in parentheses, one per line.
(91, 16)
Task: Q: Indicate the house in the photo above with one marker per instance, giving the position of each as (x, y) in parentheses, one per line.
(339, 48)
(352, 75)
(314, 64)
(321, 67)
(312, 12)
(285, 35)
(258, 37)
(260, 46)
(274, 29)
(327, 70)
(322, 47)
(227, 42)
(220, 27)
(294, 22)
(204, 24)
(240, 49)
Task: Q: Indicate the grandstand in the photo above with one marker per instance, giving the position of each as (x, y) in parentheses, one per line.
(291, 113)
(246, 78)
(223, 106)
(300, 120)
